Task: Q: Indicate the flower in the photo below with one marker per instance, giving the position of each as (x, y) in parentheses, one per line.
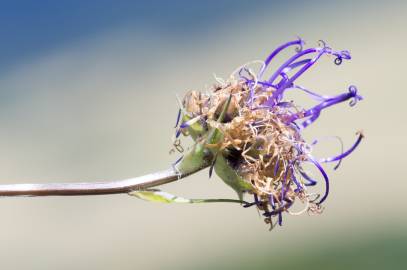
(253, 135)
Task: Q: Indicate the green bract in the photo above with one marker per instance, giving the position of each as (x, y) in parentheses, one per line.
(207, 149)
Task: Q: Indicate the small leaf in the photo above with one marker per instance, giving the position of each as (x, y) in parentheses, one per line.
(158, 196)
(164, 197)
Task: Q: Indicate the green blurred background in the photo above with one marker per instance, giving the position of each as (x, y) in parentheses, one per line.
(87, 92)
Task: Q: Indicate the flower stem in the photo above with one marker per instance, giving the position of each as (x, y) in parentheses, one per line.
(95, 188)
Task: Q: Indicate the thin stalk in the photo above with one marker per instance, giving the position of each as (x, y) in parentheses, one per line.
(94, 188)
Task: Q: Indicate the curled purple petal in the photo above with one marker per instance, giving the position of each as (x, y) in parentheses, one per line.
(354, 93)
(319, 167)
(340, 56)
(341, 143)
(346, 153)
(299, 42)
(311, 181)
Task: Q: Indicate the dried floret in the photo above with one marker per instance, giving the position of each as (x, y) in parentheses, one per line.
(253, 134)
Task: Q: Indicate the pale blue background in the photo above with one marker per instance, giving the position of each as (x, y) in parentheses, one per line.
(87, 92)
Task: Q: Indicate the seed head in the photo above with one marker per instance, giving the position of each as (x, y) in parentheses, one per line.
(253, 133)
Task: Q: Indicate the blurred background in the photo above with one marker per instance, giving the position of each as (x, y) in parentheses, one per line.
(87, 93)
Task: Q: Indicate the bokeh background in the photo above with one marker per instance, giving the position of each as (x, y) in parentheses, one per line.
(87, 92)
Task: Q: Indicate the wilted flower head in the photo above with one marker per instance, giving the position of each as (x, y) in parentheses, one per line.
(253, 134)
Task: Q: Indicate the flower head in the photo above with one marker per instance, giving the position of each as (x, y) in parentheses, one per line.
(253, 134)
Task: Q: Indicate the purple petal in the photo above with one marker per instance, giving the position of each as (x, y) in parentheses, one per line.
(340, 56)
(309, 121)
(311, 181)
(189, 122)
(261, 83)
(345, 154)
(276, 167)
(287, 82)
(178, 133)
(290, 61)
(176, 162)
(303, 69)
(296, 64)
(299, 42)
(284, 188)
(340, 141)
(351, 94)
(312, 94)
(271, 201)
(279, 210)
(315, 111)
(178, 118)
(280, 219)
(316, 163)
(299, 187)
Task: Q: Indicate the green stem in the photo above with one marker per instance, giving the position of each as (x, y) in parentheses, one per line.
(96, 188)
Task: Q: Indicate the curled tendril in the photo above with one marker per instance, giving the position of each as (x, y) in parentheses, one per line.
(300, 46)
(340, 56)
(338, 60)
(354, 92)
(321, 43)
(345, 54)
